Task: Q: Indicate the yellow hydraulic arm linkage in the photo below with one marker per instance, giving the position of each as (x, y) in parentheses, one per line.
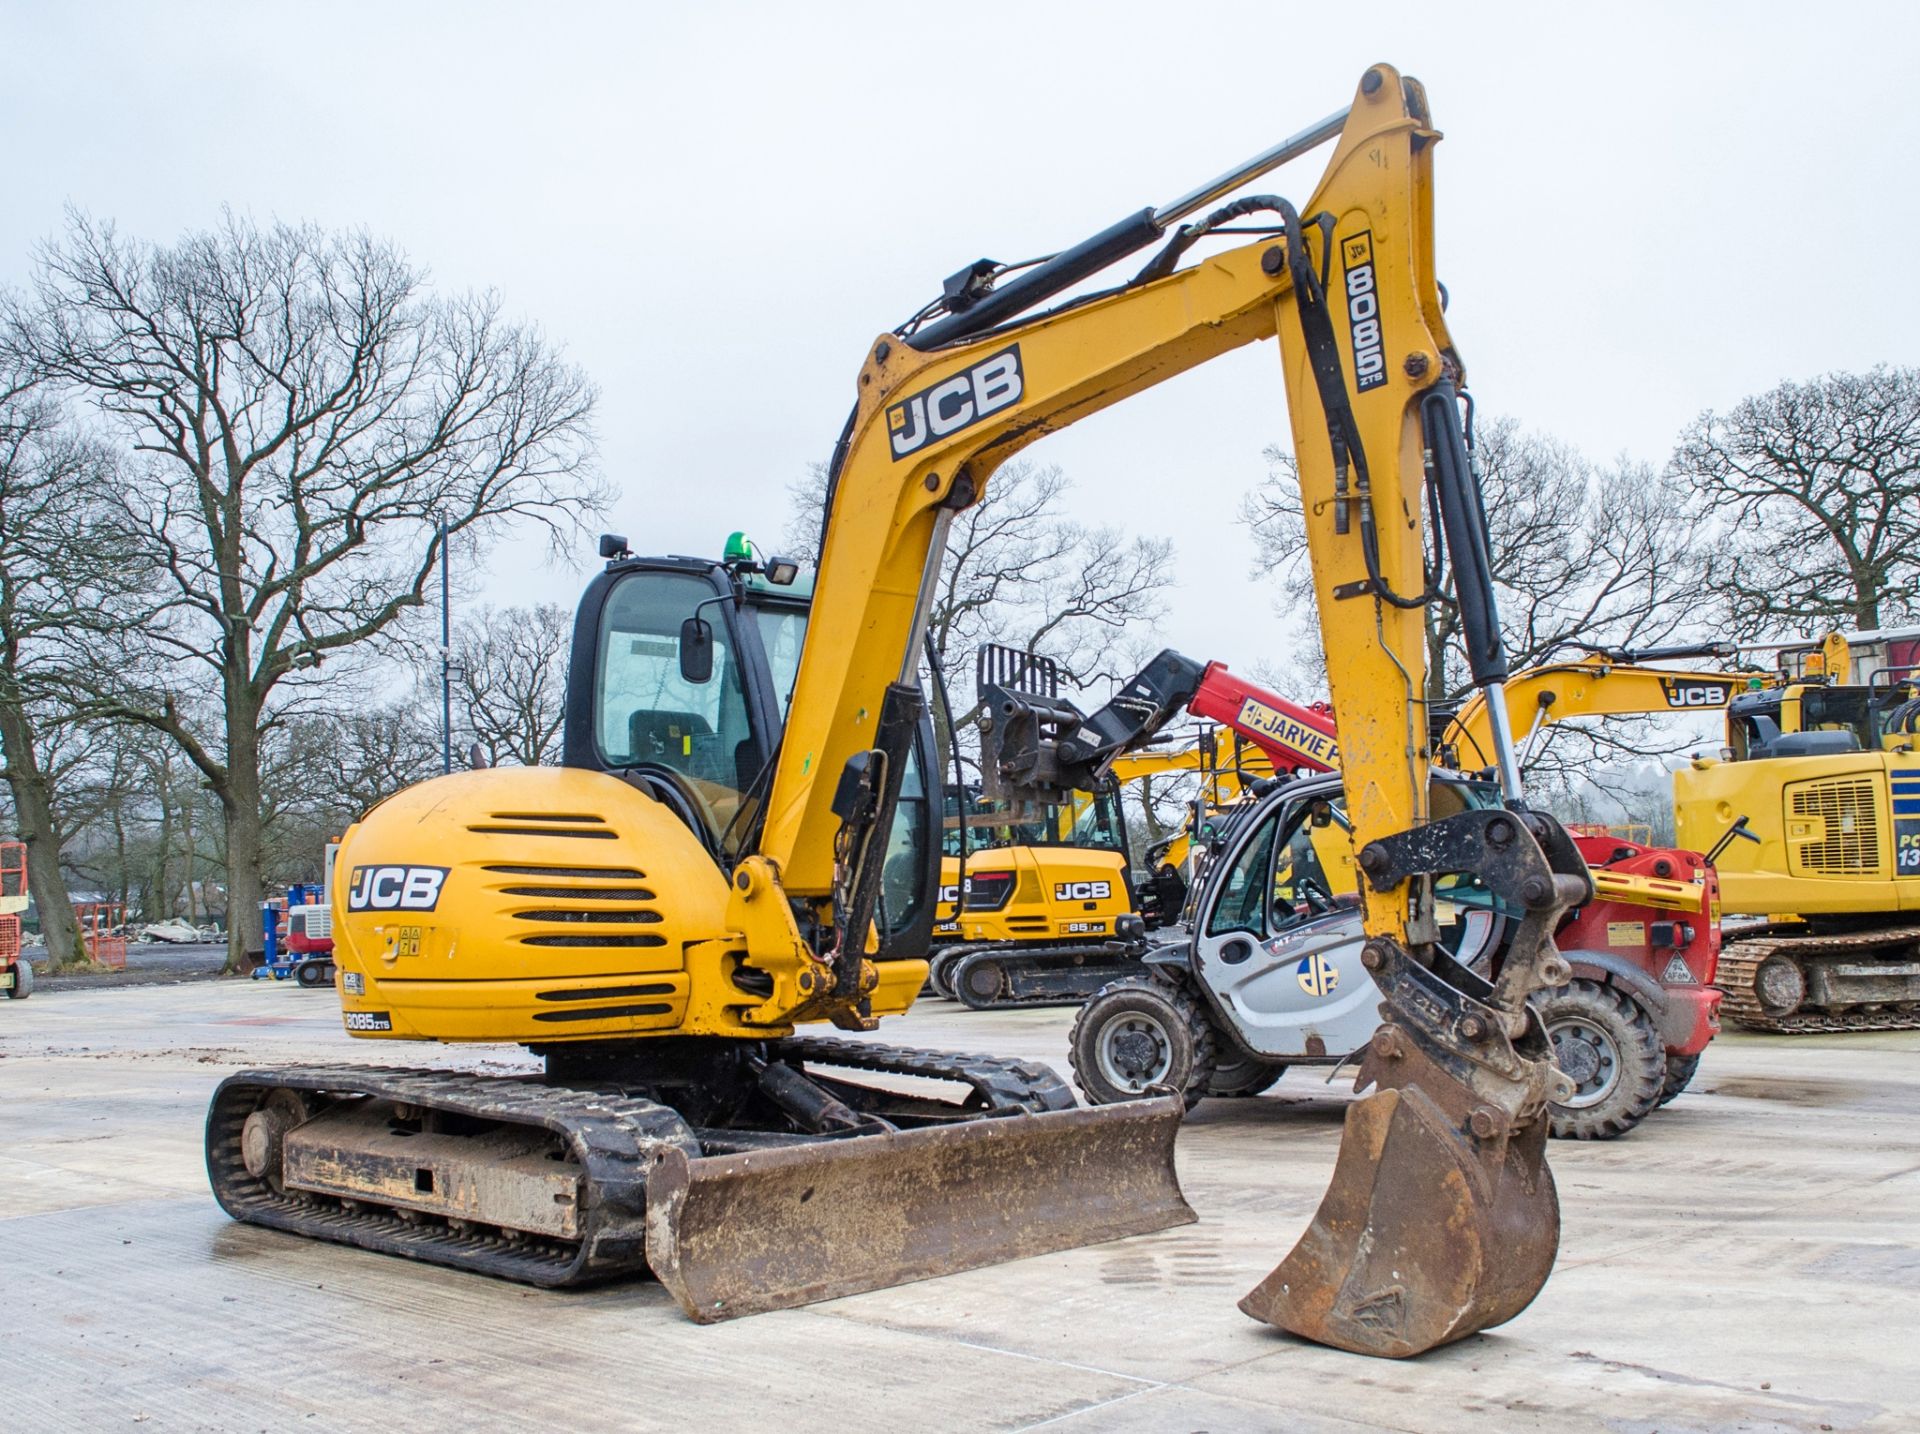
(1602, 684)
(1442, 1218)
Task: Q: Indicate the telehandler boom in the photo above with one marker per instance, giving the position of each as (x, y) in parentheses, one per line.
(657, 917)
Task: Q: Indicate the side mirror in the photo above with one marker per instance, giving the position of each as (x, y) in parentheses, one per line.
(1321, 814)
(696, 651)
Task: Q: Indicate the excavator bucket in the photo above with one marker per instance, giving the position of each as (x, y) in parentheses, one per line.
(739, 1234)
(1442, 1219)
(1421, 1239)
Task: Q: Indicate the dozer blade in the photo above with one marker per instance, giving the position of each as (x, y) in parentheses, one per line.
(1420, 1239)
(735, 1235)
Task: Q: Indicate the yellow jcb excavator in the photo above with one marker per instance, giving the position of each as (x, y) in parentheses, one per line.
(656, 917)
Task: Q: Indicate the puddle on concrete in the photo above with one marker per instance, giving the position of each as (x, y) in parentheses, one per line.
(1895, 1265)
(1807, 1091)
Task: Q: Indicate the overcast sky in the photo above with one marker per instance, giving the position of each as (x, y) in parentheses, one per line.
(1643, 212)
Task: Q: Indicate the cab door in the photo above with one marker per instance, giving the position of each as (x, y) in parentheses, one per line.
(1278, 940)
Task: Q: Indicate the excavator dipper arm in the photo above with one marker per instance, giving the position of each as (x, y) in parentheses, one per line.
(1441, 1219)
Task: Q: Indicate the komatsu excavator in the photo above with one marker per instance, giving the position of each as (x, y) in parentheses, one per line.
(1821, 777)
(656, 917)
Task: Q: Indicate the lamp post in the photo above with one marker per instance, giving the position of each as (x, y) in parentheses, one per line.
(446, 653)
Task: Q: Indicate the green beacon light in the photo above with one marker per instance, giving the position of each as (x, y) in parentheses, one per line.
(738, 549)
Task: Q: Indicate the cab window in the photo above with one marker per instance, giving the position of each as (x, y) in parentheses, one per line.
(903, 876)
(1243, 894)
(782, 631)
(648, 713)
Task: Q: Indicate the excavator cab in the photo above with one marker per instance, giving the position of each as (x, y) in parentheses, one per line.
(681, 676)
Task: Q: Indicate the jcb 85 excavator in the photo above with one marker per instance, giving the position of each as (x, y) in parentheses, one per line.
(656, 917)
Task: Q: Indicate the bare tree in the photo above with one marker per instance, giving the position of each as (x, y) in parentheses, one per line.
(1581, 554)
(1818, 485)
(298, 410)
(65, 585)
(510, 681)
(1019, 571)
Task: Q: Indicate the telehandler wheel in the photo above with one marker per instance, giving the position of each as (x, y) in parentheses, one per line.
(1243, 1076)
(22, 986)
(1680, 1071)
(1606, 1044)
(1139, 1036)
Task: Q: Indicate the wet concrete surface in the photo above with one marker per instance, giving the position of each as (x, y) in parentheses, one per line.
(1747, 1260)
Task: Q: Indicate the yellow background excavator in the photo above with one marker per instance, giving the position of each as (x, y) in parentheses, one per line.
(1058, 909)
(1821, 776)
(1810, 815)
(710, 872)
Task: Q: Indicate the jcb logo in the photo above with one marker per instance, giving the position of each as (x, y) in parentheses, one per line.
(396, 888)
(1693, 694)
(1082, 890)
(1363, 312)
(955, 403)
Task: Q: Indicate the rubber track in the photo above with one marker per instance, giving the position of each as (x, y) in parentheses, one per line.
(613, 1136)
(1123, 963)
(1008, 1086)
(1738, 974)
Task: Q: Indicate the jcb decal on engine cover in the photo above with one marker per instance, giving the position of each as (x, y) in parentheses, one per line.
(367, 1020)
(956, 403)
(1317, 976)
(1082, 890)
(353, 983)
(396, 888)
(1285, 731)
(1682, 693)
(1363, 312)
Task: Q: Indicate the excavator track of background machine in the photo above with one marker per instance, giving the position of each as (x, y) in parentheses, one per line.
(1739, 981)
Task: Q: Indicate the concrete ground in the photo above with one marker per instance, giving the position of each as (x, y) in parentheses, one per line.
(1747, 1260)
